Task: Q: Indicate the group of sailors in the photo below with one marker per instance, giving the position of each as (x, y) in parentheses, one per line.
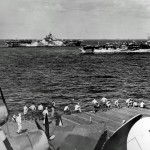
(105, 104)
(40, 111)
(132, 103)
(77, 109)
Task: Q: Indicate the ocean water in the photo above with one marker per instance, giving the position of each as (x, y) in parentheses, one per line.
(62, 74)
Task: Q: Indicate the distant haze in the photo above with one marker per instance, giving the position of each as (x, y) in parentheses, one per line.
(75, 19)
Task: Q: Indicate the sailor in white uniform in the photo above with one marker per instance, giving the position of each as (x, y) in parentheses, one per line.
(142, 104)
(67, 110)
(18, 120)
(95, 102)
(135, 104)
(117, 103)
(96, 105)
(44, 113)
(129, 102)
(104, 100)
(25, 111)
(108, 104)
(40, 107)
(78, 108)
(40, 110)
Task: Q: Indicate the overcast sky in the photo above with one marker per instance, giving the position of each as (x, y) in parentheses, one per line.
(83, 19)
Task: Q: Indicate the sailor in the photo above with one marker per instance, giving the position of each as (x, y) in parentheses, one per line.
(108, 104)
(128, 102)
(94, 102)
(40, 110)
(104, 100)
(67, 110)
(135, 104)
(78, 108)
(44, 114)
(95, 105)
(142, 104)
(58, 119)
(33, 110)
(40, 107)
(18, 120)
(117, 104)
(131, 102)
(53, 103)
(25, 112)
(52, 111)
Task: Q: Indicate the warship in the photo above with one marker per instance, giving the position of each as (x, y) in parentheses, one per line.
(48, 41)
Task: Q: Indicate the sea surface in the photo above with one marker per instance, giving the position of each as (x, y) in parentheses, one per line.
(62, 73)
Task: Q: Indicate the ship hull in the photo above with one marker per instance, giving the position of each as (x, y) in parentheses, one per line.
(99, 51)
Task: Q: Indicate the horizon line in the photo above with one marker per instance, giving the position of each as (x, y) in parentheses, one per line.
(75, 39)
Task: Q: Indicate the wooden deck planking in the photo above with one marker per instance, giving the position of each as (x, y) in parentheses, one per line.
(135, 111)
(110, 116)
(84, 118)
(70, 121)
(126, 111)
(76, 119)
(67, 121)
(122, 113)
(94, 118)
(104, 116)
(110, 123)
(141, 110)
(97, 120)
(118, 115)
(117, 111)
(113, 117)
